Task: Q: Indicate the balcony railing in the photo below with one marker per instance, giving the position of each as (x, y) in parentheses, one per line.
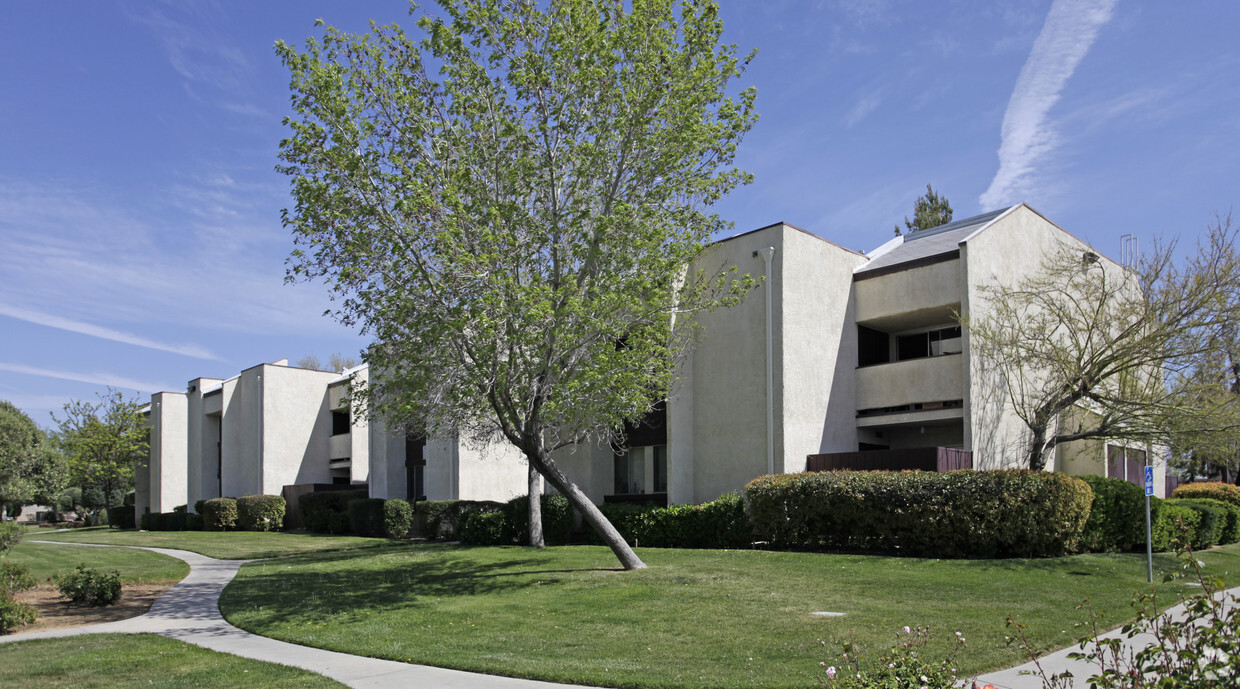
(919, 458)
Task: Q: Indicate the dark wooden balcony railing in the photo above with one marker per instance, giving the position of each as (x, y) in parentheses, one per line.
(921, 458)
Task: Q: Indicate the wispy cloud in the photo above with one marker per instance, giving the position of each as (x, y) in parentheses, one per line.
(61, 323)
(862, 109)
(97, 378)
(1026, 136)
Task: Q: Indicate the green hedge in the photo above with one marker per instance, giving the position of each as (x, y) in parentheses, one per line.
(442, 518)
(219, 514)
(1166, 531)
(327, 511)
(557, 519)
(366, 516)
(950, 514)
(260, 513)
(1230, 532)
(122, 517)
(1210, 527)
(1213, 490)
(1116, 516)
(397, 517)
(484, 528)
(721, 523)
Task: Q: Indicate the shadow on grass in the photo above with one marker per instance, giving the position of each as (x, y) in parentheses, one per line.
(323, 585)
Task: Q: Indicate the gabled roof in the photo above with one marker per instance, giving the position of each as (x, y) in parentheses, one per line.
(926, 244)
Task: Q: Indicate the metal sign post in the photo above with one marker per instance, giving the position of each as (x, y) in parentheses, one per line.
(1149, 537)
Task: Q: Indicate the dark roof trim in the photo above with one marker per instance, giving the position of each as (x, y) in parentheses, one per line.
(907, 265)
(956, 225)
(794, 227)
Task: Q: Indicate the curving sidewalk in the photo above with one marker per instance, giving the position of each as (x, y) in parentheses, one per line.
(190, 612)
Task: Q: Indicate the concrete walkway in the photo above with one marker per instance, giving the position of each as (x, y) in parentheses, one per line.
(190, 612)
(1056, 663)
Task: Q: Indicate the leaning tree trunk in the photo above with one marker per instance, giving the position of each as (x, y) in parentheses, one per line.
(543, 462)
(535, 500)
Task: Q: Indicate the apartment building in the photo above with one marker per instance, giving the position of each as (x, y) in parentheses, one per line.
(844, 359)
(275, 425)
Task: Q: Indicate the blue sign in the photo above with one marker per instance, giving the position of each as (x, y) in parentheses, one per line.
(1149, 480)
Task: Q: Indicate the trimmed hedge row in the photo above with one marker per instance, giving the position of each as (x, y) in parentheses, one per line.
(260, 513)
(366, 516)
(122, 517)
(1212, 490)
(328, 511)
(557, 519)
(721, 523)
(442, 518)
(1116, 517)
(219, 514)
(952, 514)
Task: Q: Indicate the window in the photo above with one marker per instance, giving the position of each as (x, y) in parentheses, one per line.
(873, 346)
(932, 343)
(630, 472)
(341, 423)
(660, 468)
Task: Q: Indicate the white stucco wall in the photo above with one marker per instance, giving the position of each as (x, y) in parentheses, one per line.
(168, 467)
(201, 438)
(494, 471)
(296, 426)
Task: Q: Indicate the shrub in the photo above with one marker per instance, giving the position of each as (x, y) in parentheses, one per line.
(484, 528)
(443, 517)
(14, 614)
(181, 509)
(122, 517)
(625, 516)
(199, 506)
(193, 522)
(397, 517)
(1172, 522)
(14, 577)
(951, 514)
(1211, 525)
(89, 586)
(1231, 529)
(318, 508)
(260, 513)
(1116, 516)
(174, 521)
(219, 514)
(1214, 490)
(557, 519)
(10, 536)
(721, 523)
(366, 516)
(908, 663)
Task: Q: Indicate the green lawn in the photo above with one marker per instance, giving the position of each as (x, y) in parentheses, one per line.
(104, 661)
(135, 566)
(694, 619)
(230, 545)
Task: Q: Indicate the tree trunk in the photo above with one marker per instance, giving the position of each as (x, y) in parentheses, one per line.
(535, 493)
(1037, 449)
(543, 462)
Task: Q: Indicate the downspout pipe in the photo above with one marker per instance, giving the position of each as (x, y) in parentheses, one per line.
(767, 254)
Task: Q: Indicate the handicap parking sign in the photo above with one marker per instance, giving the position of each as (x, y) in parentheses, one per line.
(1149, 480)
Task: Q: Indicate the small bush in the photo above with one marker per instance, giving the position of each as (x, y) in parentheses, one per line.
(557, 519)
(89, 586)
(366, 517)
(1172, 522)
(10, 536)
(1213, 490)
(174, 521)
(721, 523)
(484, 528)
(1116, 517)
(193, 522)
(199, 506)
(219, 514)
(260, 513)
(317, 509)
(443, 517)
(397, 517)
(122, 517)
(15, 576)
(14, 614)
(950, 514)
(181, 509)
(1210, 527)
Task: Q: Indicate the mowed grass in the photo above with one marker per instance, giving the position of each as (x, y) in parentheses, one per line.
(135, 566)
(224, 545)
(694, 619)
(105, 661)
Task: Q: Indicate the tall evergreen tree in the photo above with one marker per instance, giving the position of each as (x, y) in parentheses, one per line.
(931, 210)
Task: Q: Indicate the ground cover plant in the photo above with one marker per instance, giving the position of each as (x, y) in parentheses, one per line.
(230, 545)
(696, 618)
(104, 661)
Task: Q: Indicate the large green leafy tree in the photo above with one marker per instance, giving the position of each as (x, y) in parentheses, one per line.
(103, 441)
(509, 204)
(32, 471)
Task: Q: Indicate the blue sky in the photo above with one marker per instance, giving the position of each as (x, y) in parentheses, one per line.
(140, 235)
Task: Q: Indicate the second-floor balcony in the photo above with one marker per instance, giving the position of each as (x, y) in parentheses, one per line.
(913, 381)
(340, 446)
